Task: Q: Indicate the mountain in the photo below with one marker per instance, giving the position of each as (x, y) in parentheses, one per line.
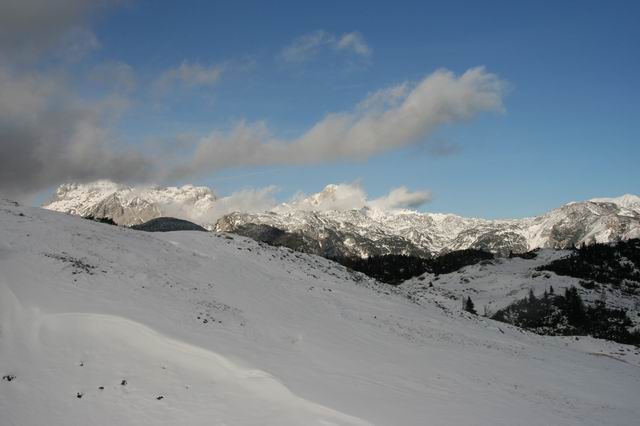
(105, 325)
(323, 224)
(128, 206)
(366, 232)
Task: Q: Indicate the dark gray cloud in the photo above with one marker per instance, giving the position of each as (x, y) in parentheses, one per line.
(47, 136)
(29, 28)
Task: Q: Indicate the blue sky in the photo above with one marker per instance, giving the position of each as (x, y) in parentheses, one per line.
(568, 131)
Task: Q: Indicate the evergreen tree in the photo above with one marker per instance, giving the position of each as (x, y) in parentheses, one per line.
(470, 307)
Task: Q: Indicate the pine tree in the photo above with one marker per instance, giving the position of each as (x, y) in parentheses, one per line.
(470, 307)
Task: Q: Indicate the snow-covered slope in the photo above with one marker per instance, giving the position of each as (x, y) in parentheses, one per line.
(229, 331)
(495, 284)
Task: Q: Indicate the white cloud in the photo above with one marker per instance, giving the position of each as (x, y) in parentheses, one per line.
(248, 200)
(388, 119)
(350, 196)
(384, 98)
(307, 46)
(354, 42)
(344, 196)
(189, 75)
(401, 198)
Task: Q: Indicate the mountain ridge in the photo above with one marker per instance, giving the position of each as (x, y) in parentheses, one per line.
(315, 225)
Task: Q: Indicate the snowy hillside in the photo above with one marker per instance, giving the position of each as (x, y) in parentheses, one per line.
(105, 325)
(497, 283)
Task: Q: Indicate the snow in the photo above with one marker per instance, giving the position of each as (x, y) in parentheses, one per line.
(229, 331)
(630, 201)
(77, 362)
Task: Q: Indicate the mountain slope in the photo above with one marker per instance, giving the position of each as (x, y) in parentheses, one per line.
(251, 334)
(495, 284)
(363, 233)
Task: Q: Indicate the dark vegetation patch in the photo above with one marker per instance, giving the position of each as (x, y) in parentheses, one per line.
(452, 261)
(106, 220)
(390, 269)
(526, 255)
(567, 315)
(78, 265)
(615, 264)
(167, 224)
(394, 269)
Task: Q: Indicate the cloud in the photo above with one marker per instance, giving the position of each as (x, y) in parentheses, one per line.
(78, 43)
(187, 75)
(350, 196)
(355, 43)
(248, 200)
(388, 119)
(29, 28)
(307, 46)
(117, 76)
(47, 136)
(401, 198)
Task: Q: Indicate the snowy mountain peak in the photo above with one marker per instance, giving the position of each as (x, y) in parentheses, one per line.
(628, 201)
(341, 221)
(132, 205)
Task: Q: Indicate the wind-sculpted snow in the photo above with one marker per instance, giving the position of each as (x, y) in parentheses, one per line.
(85, 368)
(106, 305)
